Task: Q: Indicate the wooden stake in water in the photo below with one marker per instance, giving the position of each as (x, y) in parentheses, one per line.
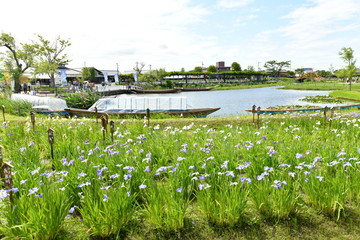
(253, 112)
(5, 172)
(32, 116)
(148, 116)
(112, 129)
(3, 111)
(51, 141)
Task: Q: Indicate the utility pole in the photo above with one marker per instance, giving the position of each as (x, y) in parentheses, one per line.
(117, 68)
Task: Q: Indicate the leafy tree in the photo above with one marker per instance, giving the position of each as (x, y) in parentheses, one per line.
(152, 76)
(212, 69)
(299, 71)
(50, 56)
(347, 55)
(324, 73)
(235, 67)
(139, 67)
(198, 69)
(88, 73)
(275, 67)
(17, 59)
(250, 68)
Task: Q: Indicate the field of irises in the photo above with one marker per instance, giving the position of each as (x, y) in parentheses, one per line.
(180, 178)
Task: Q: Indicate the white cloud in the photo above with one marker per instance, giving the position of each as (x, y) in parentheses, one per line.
(109, 32)
(233, 3)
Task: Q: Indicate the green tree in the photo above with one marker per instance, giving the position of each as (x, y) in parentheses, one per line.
(347, 55)
(235, 67)
(153, 76)
(275, 67)
(17, 59)
(198, 69)
(50, 56)
(212, 69)
(88, 73)
(299, 71)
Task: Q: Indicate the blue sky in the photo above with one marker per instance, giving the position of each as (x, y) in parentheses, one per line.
(175, 34)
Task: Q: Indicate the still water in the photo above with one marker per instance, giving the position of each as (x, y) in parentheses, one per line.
(235, 102)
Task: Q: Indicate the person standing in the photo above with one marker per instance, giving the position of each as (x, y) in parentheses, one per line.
(25, 87)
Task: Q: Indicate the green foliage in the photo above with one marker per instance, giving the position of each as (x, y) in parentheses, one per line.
(81, 100)
(39, 215)
(49, 56)
(198, 69)
(212, 69)
(235, 67)
(17, 58)
(12, 106)
(88, 73)
(152, 76)
(275, 67)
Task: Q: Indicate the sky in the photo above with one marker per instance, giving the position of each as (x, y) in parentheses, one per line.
(176, 34)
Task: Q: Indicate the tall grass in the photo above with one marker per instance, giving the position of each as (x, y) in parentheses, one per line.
(163, 177)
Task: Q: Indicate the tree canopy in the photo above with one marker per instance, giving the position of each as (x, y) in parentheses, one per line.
(274, 67)
(17, 59)
(235, 66)
(212, 69)
(49, 56)
(347, 55)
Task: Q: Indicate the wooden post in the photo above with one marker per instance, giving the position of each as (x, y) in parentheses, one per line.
(148, 116)
(51, 141)
(5, 172)
(325, 110)
(104, 125)
(96, 114)
(331, 116)
(253, 112)
(258, 114)
(3, 111)
(112, 129)
(32, 116)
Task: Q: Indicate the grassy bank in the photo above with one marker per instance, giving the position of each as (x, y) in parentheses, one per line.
(290, 176)
(349, 95)
(246, 86)
(322, 86)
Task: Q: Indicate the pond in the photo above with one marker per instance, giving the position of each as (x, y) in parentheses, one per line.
(235, 102)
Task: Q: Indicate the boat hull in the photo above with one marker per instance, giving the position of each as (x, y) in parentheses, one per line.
(155, 91)
(196, 112)
(195, 89)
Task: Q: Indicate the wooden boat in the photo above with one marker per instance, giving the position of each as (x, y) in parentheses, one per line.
(195, 112)
(268, 111)
(184, 89)
(52, 113)
(158, 91)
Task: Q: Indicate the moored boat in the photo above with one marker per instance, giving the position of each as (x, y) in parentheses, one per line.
(195, 89)
(155, 91)
(128, 106)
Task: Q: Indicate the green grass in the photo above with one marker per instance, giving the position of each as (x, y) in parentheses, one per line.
(322, 86)
(349, 95)
(215, 178)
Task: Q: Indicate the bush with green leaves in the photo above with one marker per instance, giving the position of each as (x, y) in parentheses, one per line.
(83, 100)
